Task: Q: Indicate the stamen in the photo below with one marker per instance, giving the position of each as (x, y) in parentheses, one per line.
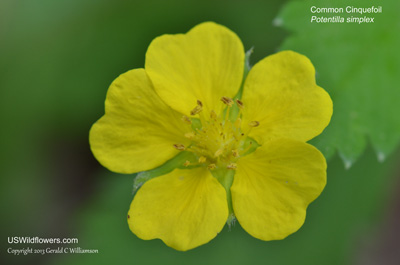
(227, 101)
(247, 148)
(238, 122)
(235, 153)
(197, 149)
(213, 115)
(232, 166)
(197, 109)
(180, 147)
(202, 159)
(186, 119)
(211, 166)
(254, 123)
(240, 104)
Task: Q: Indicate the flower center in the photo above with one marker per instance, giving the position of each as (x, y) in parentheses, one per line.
(217, 141)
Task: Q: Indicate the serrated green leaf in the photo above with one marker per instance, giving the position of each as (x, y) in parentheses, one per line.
(358, 64)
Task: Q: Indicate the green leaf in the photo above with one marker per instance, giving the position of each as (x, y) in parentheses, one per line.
(359, 66)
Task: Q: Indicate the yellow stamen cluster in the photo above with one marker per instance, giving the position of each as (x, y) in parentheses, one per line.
(219, 143)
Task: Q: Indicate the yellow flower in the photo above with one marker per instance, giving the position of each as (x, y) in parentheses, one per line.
(247, 158)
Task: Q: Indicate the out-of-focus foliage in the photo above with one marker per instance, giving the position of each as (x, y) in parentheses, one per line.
(359, 65)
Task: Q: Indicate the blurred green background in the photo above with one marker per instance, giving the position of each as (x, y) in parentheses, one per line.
(57, 59)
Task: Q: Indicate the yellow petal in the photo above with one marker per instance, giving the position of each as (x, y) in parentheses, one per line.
(281, 94)
(204, 64)
(138, 130)
(274, 185)
(185, 209)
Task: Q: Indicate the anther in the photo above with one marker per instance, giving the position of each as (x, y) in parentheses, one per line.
(235, 153)
(180, 147)
(211, 166)
(254, 123)
(186, 119)
(202, 159)
(240, 104)
(227, 101)
(231, 166)
(187, 163)
(197, 109)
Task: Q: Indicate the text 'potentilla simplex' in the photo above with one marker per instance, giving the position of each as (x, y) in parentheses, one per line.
(347, 9)
(339, 19)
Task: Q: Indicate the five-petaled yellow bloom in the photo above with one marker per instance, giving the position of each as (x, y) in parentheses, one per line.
(247, 156)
